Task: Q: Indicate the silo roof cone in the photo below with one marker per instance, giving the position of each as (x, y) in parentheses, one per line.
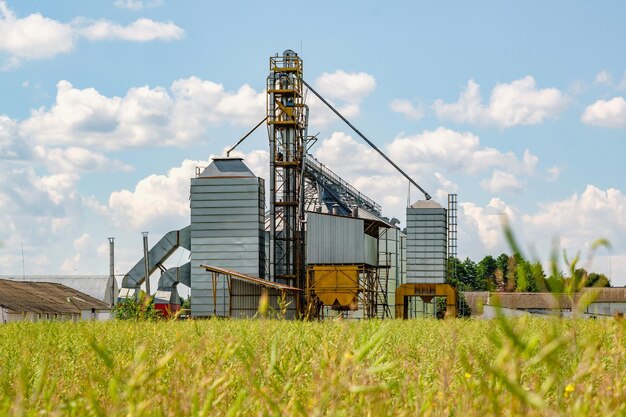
(426, 204)
(227, 167)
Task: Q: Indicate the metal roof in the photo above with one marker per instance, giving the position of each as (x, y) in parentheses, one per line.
(45, 297)
(426, 204)
(96, 286)
(250, 279)
(226, 167)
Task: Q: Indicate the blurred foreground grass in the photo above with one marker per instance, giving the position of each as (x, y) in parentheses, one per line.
(528, 366)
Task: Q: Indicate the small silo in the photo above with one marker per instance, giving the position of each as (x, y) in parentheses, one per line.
(427, 243)
(227, 231)
(426, 259)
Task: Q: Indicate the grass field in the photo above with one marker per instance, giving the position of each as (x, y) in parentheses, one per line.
(273, 367)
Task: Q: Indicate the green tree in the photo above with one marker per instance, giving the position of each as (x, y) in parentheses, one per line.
(597, 280)
(133, 309)
(467, 274)
(502, 272)
(486, 274)
(530, 275)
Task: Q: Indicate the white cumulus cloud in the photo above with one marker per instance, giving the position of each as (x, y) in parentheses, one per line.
(486, 221)
(582, 218)
(343, 90)
(446, 187)
(553, 173)
(341, 85)
(606, 113)
(145, 116)
(460, 151)
(510, 104)
(32, 37)
(12, 147)
(604, 77)
(156, 199)
(407, 108)
(77, 160)
(502, 181)
(37, 37)
(141, 30)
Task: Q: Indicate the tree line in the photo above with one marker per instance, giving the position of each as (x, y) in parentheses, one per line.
(513, 273)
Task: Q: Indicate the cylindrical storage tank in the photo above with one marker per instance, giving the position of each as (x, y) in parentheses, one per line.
(227, 231)
(426, 243)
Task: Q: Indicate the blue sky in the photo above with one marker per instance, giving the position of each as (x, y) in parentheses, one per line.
(108, 106)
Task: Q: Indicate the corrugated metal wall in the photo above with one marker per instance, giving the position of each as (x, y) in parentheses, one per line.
(227, 230)
(335, 240)
(245, 296)
(426, 245)
(391, 254)
(371, 250)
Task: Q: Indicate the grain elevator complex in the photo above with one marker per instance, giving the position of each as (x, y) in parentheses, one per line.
(321, 248)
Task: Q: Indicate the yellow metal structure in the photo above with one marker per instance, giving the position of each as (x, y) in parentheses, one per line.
(335, 285)
(426, 292)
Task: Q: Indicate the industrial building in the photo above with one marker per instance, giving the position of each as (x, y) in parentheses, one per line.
(321, 248)
(35, 301)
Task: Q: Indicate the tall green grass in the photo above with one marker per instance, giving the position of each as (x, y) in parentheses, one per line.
(528, 366)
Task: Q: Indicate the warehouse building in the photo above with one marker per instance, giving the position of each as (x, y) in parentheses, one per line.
(100, 287)
(35, 301)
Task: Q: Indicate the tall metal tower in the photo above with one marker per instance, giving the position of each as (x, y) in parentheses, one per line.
(452, 231)
(287, 118)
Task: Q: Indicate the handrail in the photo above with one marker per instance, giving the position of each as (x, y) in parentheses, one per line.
(316, 164)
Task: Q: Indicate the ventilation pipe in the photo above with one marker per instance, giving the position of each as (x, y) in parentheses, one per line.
(112, 268)
(145, 260)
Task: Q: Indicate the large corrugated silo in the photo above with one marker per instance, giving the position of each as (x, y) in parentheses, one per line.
(427, 243)
(227, 231)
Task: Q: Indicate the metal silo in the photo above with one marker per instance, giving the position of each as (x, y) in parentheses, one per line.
(427, 235)
(426, 261)
(227, 231)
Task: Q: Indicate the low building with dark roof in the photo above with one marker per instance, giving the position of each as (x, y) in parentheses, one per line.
(100, 287)
(34, 301)
(602, 302)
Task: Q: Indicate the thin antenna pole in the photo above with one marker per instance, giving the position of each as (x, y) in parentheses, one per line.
(23, 264)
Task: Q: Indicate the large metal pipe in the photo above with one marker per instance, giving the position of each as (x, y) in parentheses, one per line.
(112, 268)
(245, 136)
(145, 260)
